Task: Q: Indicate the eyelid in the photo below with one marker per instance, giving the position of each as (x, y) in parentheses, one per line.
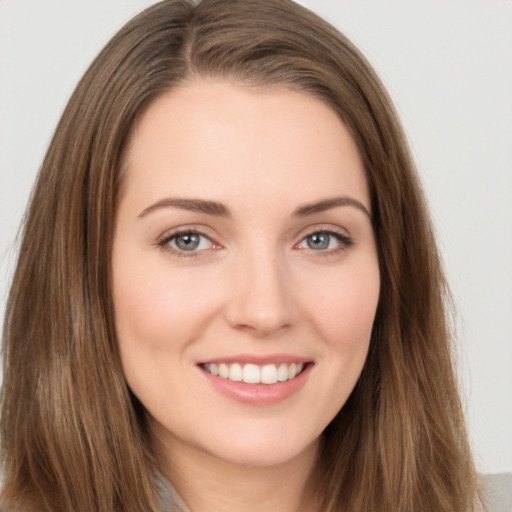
(324, 228)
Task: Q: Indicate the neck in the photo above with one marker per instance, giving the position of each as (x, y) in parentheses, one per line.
(208, 484)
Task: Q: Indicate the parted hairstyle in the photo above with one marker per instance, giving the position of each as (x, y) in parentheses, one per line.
(73, 436)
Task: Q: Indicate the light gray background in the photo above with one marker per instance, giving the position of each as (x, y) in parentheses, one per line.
(447, 65)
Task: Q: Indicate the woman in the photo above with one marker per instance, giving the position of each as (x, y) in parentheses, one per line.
(228, 288)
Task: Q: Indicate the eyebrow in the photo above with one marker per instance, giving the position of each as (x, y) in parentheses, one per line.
(328, 204)
(193, 205)
(220, 210)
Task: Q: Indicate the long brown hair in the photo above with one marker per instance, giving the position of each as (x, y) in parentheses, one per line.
(73, 437)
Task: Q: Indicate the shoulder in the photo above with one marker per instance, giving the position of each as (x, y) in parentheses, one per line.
(497, 490)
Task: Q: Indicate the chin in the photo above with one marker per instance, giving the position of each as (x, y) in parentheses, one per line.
(262, 449)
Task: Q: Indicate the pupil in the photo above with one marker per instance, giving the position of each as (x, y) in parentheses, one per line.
(318, 241)
(188, 242)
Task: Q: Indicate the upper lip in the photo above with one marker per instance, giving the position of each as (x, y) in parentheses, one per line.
(259, 360)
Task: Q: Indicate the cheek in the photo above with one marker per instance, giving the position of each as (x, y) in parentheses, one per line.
(154, 304)
(340, 307)
(343, 307)
(159, 313)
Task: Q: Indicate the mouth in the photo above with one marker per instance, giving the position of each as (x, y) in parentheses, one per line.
(251, 373)
(257, 380)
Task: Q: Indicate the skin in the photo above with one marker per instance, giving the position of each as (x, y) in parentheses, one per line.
(254, 286)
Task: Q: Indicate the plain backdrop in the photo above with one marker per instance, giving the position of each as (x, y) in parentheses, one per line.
(448, 67)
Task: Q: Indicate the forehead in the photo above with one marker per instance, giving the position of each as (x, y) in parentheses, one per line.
(223, 140)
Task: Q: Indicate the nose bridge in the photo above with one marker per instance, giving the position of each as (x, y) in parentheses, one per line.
(260, 300)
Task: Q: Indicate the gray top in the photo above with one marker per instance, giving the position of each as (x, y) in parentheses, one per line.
(497, 492)
(169, 498)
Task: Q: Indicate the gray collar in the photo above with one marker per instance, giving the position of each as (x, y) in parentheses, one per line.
(169, 499)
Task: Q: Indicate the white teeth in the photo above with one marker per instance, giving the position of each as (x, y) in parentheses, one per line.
(269, 374)
(223, 370)
(235, 372)
(254, 374)
(282, 372)
(251, 374)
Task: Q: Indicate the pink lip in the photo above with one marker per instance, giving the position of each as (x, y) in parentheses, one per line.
(258, 394)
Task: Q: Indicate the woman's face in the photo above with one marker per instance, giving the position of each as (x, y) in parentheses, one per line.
(245, 273)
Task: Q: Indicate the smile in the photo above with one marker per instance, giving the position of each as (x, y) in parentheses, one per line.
(253, 373)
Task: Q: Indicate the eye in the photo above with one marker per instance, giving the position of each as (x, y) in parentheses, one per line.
(186, 241)
(325, 241)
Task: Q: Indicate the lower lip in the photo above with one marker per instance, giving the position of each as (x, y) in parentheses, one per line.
(259, 394)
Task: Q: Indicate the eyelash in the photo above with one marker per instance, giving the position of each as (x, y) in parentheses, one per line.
(164, 242)
(345, 242)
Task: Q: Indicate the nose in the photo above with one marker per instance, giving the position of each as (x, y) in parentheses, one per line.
(259, 300)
